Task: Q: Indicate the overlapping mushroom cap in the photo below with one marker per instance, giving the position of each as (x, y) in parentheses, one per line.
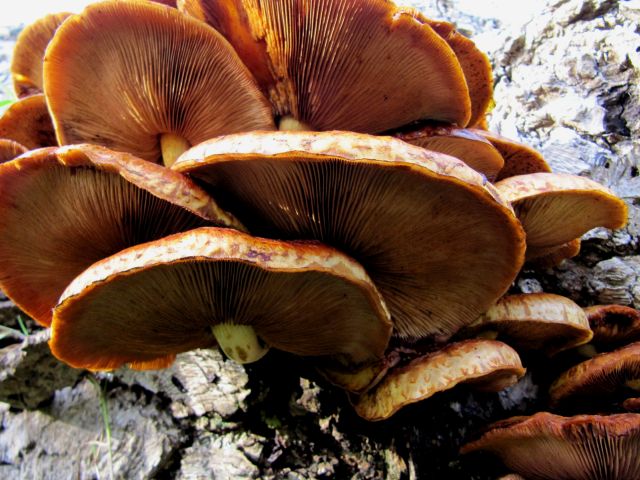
(613, 325)
(550, 447)
(10, 150)
(63, 209)
(359, 65)
(147, 303)
(142, 78)
(27, 122)
(438, 242)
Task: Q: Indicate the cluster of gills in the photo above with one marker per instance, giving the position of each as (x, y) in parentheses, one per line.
(364, 216)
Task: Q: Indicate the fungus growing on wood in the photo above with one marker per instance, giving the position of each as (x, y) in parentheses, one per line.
(142, 78)
(550, 447)
(558, 208)
(27, 122)
(28, 54)
(10, 150)
(438, 242)
(464, 144)
(601, 377)
(485, 364)
(342, 64)
(63, 209)
(539, 322)
(206, 286)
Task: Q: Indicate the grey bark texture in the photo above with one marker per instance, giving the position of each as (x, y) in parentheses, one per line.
(566, 83)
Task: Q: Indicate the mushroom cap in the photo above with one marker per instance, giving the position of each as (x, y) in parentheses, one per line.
(557, 208)
(10, 150)
(549, 257)
(27, 122)
(475, 64)
(598, 378)
(63, 209)
(155, 300)
(28, 54)
(487, 364)
(461, 143)
(550, 447)
(363, 66)
(613, 325)
(631, 404)
(519, 159)
(537, 321)
(420, 222)
(122, 74)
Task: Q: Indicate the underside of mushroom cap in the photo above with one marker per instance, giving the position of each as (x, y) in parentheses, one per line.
(63, 209)
(464, 144)
(550, 447)
(10, 150)
(28, 54)
(549, 257)
(485, 363)
(127, 75)
(161, 298)
(358, 65)
(602, 377)
(613, 325)
(27, 122)
(557, 208)
(439, 244)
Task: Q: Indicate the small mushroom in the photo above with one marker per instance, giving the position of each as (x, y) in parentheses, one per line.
(63, 209)
(27, 122)
(436, 240)
(538, 321)
(10, 150)
(613, 325)
(342, 64)
(485, 364)
(549, 257)
(142, 78)
(461, 143)
(557, 208)
(550, 447)
(519, 159)
(28, 54)
(602, 377)
(145, 304)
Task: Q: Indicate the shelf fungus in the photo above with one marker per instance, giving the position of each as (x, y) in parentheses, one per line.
(533, 322)
(464, 144)
(64, 208)
(212, 286)
(27, 122)
(486, 365)
(555, 209)
(28, 54)
(438, 242)
(143, 78)
(362, 66)
(597, 380)
(551, 447)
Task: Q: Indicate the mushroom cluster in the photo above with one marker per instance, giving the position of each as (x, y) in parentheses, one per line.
(313, 176)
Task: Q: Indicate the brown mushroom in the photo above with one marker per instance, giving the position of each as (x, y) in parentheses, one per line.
(342, 64)
(27, 122)
(631, 404)
(63, 209)
(549, 257)
(600, 378)
(142, 78)
(613, 325)
(539, 321)
(461, 143)
(440, 245)
(557, 208)
(28, 54)
(210, 285)
(485, 364)
(550, 447)
(10, 150)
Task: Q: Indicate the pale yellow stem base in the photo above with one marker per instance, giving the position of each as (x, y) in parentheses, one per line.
(239, 342)
(172, 146)
(290, 124)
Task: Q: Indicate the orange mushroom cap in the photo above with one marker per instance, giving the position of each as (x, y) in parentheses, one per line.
(27, 122)
(10, 150)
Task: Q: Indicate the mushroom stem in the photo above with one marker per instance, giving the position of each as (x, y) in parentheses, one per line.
(633, 384)
(588, 350)
(239, 342)
(172, 146)
(290, 124)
